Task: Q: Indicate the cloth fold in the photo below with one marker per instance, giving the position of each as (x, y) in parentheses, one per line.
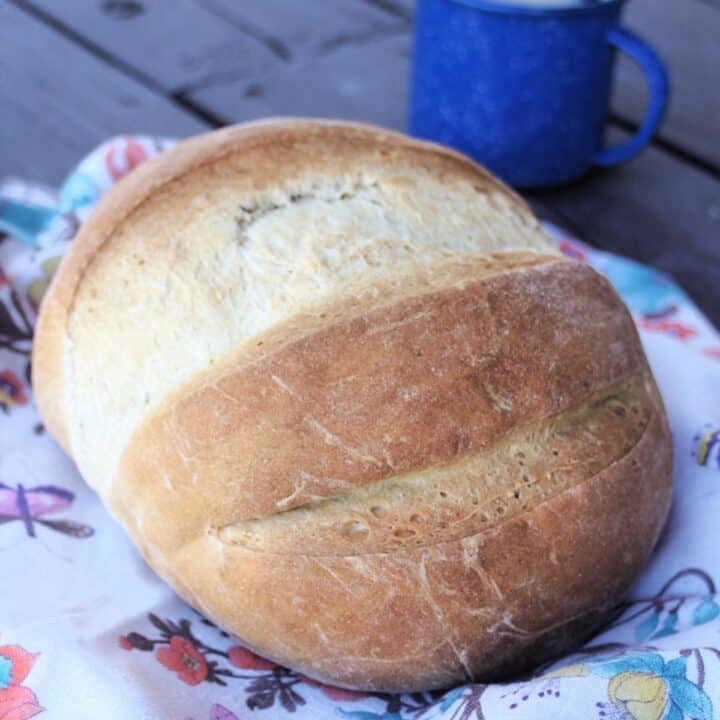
(86, 629)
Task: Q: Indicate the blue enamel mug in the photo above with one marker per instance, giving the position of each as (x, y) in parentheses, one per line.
(523, 86)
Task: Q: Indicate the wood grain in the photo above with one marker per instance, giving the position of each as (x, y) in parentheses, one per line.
(300, 30)
(404, 8)
(358, 81)
(687, 35)
(58, 101)
(177, 44)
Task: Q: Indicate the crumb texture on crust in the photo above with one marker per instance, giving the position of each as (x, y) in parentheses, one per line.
(350, 402)
(461, 498)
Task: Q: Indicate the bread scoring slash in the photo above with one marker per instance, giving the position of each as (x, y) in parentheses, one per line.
(350, 402)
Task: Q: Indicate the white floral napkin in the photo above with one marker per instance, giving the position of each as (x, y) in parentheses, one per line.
(88, 631)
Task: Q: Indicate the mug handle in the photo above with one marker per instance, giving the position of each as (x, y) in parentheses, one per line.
(658, 84)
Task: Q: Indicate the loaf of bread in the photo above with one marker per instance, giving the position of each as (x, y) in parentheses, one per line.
(350, 402)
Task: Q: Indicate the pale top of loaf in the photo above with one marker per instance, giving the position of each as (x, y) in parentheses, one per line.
(229, 247)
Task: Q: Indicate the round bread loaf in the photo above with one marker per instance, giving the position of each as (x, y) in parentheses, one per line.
(349, 401)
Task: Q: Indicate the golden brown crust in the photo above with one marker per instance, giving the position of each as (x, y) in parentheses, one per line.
(489, 605)
(514, 383)
(327, 412)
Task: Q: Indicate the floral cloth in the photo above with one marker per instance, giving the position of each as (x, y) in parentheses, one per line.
(87, 630)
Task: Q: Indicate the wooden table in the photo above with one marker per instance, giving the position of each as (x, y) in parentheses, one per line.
(77, 71)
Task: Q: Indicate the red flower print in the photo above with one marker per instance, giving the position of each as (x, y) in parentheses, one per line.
(124, 643)
(16, 702)
(676, 329)
(334, 693)
(243, 658)
(122, 156)
(572, 250)
(185, 659)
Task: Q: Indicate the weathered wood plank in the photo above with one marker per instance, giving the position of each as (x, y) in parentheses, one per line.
(58, 101)
(359, 81)
(306, 29)
(655, 209)
(177, 44)
(404, 8)
(687, 35)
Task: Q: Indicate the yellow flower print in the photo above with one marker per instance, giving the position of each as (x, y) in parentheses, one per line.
(642, 695)
(567, 671)
(645, 686)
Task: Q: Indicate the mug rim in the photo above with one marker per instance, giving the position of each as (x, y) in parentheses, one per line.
(511, 8)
